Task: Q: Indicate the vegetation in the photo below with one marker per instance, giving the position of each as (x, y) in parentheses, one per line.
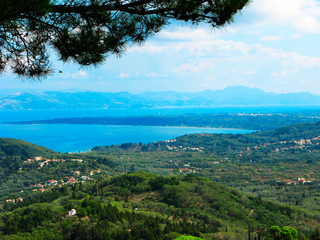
(25, 167)
(142, 205)
(230, 120)
(23, 149)
(87, 31)
(283, 233)
(188, 238)
(279, 165)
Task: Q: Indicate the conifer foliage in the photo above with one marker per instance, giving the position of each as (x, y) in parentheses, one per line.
(87, 31)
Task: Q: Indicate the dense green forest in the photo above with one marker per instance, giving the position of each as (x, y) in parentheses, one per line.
(271, 166)
(142, 205)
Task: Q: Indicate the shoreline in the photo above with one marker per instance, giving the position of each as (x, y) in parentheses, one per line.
(129, 125)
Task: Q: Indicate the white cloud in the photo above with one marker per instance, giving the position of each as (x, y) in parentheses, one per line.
(80, 74)
(282, 73)
(190, 34)
(307, 24)
(152, 74)
(124, 75)
(199, 56)
(297, 60)
(148, 48)
(245, 72)
(301, 15)
(270, 38)
(195, 67)
(197, 47)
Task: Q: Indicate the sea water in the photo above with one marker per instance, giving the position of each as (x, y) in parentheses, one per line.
(73, 138)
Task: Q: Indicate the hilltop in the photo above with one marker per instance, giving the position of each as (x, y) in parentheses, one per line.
(16, 147)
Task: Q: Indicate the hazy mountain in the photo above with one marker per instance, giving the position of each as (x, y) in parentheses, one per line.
(235, 95)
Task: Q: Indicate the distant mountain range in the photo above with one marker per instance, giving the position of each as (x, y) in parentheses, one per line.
(235, 95)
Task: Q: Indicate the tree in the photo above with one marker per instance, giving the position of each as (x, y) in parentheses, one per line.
(188, 238)
(275, 232)
(316, 234)
(87, 31)
(289, 233)
(285, 233)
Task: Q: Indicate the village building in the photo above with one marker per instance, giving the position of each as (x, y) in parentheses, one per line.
(301, 180)
(76, 160)
(52, 182)
(72, 212)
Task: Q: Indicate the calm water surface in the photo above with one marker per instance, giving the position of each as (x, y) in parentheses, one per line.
(73, 138)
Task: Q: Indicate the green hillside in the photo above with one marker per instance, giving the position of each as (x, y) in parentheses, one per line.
(222, 143)
(15, 147)
(23, 165)
(146, 206)
(12, 154)
(297, 131)
(268, 164)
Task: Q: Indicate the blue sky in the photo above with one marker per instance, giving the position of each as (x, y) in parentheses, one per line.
(272, 45)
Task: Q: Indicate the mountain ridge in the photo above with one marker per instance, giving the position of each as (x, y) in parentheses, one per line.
(231, 96)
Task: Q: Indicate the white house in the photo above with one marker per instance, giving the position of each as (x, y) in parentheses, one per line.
(72, 212)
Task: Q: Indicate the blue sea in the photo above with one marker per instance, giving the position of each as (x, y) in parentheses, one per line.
(74, 138)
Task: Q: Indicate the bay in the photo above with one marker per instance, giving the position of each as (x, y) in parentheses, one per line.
(74, 138)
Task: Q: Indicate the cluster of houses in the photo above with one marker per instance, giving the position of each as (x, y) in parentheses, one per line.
(183, 169)
(14, 200)
(59, 183)
(298, 181)
(41, 187)
(43, 161)
(298, 144)
(259, 114)
(187, 170)
(199, 149)
(66, 180)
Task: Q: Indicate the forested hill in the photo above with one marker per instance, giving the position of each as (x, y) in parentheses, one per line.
(297, 131)
(250, 121)
(13, 153)
(15, 147)
(146, 206)
(222, 143)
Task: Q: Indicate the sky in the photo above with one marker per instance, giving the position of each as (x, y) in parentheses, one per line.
(272, 45)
